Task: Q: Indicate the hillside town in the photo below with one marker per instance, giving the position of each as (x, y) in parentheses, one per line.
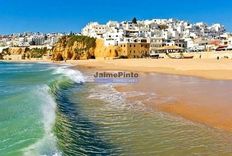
(29, 39)
(162, 34)
(19, 42)
(137, 39)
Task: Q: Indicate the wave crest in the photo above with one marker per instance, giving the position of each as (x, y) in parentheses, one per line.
(72, 74)
(47, 145)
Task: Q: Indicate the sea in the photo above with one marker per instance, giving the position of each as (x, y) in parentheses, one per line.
(55, 110)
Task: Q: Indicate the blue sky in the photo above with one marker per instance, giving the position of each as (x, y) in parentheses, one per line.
(71, 15)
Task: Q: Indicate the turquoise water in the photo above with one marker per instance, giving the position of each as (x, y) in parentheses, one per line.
(51, 110)
(25, 100)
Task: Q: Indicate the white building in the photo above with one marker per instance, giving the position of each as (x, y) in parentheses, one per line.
(115, 32)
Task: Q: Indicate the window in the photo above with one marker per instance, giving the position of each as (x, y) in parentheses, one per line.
(134, 45)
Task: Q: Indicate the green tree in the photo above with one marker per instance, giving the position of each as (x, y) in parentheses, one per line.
(134, 20)
(71, 33)
(162, 27)
(32, 43)
(37, 52)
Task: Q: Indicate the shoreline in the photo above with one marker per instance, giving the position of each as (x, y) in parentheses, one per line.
(198, 100)
(202, 68)
(208, 114)
(204, 113)
(211, 69)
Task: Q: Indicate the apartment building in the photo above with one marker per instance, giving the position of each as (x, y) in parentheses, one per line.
(136, 49)
(156, 43)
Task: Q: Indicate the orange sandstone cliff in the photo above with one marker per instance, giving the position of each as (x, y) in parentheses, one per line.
(83, 47)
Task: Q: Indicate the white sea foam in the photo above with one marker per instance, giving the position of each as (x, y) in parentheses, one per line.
(115, 99)
(46, 146)
(72, 74)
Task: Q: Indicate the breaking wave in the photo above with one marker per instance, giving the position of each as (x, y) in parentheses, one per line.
(72, 74)
(47, 145)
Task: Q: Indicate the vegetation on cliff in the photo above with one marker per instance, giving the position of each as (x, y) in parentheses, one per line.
(74, 47)
(37, 52)
(5, 52)
(26, 52)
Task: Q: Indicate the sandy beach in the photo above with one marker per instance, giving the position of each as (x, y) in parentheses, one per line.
(204, 68)
(199, 102)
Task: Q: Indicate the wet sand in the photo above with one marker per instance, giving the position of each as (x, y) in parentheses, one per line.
(199, 100)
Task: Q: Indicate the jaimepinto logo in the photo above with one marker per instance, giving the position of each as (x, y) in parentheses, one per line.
(116, 77)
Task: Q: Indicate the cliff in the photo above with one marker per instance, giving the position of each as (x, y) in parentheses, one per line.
(82, 47)
(15, 53)
(74, 47)
(25, 52)
(16, 50)
(102, 51)
(69, 48)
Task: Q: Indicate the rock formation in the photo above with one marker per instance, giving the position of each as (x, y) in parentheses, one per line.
(69, 48)
(83, 47)
(74, 47)
(104, 52)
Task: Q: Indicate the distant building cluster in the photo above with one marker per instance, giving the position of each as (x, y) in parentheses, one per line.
(160, 35)
(30, 40)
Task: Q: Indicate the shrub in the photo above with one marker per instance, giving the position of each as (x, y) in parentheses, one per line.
(37, 52)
